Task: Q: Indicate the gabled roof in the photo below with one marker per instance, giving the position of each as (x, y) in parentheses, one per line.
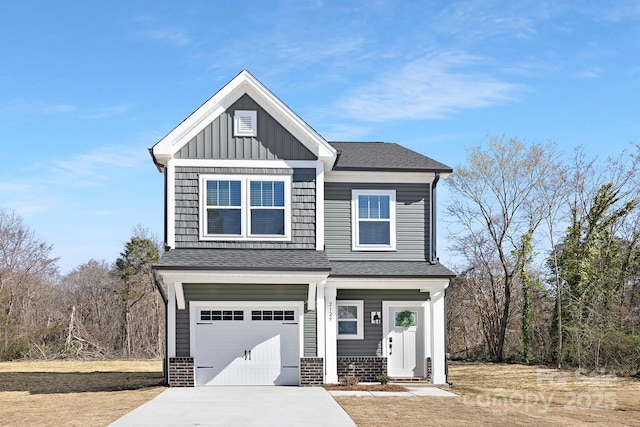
(243, 83)
(383, 156)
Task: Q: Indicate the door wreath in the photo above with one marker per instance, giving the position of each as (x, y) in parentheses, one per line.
(406, 318)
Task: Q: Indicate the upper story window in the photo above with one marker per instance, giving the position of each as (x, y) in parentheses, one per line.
(373, 220)
(251, 208)
(245, 123)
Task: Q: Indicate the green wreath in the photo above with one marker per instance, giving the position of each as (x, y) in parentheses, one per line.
(406, 318)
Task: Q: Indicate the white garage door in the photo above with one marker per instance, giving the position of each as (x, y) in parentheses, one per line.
(247, 346)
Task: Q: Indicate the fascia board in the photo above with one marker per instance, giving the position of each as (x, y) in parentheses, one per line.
(423, 284)
(264, 277)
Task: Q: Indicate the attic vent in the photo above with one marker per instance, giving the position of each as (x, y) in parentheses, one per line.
(245, 123)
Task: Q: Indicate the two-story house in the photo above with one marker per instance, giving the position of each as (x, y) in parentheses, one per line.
(293, 260)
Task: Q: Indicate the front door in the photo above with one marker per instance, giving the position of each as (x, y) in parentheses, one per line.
(404, 342)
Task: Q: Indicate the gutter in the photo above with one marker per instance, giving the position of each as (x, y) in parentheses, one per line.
(434, 251)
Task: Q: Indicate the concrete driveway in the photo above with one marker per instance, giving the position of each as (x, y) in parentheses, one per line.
(239, 406)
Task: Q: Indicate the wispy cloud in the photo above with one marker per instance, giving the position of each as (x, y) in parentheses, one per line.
(36, 107)
(427, 88)
(106, 112)
(171, 35)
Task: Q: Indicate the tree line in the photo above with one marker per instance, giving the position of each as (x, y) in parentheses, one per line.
(98, 310)
(549, 244)
(548, 247)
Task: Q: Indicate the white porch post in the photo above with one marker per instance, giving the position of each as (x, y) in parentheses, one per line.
(171, 320)
(320, 315)
(438, 336)
(331, 330)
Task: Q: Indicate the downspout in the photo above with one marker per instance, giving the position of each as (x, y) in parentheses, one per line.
(434, 253)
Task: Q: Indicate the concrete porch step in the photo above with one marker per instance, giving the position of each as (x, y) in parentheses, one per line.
(408, 380)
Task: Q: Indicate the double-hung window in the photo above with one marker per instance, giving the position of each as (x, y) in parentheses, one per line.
(245, 207)
(350, 320)
(373, 220)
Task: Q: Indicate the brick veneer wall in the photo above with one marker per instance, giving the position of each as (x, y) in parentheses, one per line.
(429, 369)
(365, 368)
(181, 372)
(311, 371)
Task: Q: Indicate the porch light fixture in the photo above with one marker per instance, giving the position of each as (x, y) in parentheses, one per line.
(375, 317)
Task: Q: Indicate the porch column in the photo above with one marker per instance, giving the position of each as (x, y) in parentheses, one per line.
(320, 315)
(438, 336)
(330, 333)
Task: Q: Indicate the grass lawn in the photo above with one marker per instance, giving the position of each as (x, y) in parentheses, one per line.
(75, 393)
(68, 393)
(508, 395)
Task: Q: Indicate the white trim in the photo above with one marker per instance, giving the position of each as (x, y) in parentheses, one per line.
(438, 326)
(331, 332)
(320, 318)
(359, 304)
(238, 116)
(381, 177)
(249, 163)
(170, 170)
(423, 284)
(319, 206)
(311, 297)
(179, 295)
(195, 306)
(245, 207)
(355, 219)
(171, 320)
(260, 277)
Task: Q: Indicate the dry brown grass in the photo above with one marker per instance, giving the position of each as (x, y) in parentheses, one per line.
(75, 393)
(96, 393)
(507, 395)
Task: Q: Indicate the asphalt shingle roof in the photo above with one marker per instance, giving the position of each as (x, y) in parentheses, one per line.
(389, 269)
(293, 260)
(384, 156)
(244, 259)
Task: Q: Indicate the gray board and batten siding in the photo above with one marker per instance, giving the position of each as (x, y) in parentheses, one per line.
(371, 345)
(273, 141)
(243, 292)
(303, 208)
(412, 222)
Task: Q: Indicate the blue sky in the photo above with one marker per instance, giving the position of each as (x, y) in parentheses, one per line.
(86, 87)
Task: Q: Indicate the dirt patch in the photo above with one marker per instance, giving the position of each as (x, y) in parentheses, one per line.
(68, 393)
(506, 395)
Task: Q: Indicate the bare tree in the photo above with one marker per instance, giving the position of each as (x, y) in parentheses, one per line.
(25, 265)
(496, 208)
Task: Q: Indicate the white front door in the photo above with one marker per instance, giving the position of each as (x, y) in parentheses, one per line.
(250, 346)
(404, 341)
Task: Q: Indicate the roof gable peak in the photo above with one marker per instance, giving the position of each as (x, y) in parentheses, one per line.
(243, 83)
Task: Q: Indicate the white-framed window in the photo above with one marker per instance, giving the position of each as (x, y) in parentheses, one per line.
(245, 123)
(373, 220)
(350, 319)
(245, 207)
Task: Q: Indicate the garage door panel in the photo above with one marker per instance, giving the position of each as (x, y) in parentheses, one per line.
(245, 352)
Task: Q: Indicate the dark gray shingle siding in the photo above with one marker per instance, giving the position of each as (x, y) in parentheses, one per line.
(303, 193)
